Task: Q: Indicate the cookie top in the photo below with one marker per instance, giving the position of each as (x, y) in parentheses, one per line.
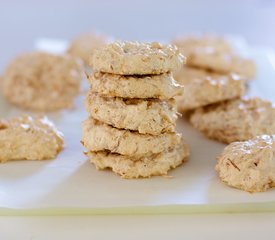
(223, 63)
(150, 116)
(84, 46)
(97, 136)
(216, 54)
(249, 165)
(29, 138)
(42, 81)
(203, 87)
(214, 43)
(235, 120)
(161, 86)
(135, 58)
(147, 166)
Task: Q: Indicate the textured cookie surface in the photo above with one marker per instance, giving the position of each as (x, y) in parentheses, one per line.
(28, 138)
(41, 81)
(235, 120)
(223, 63)
(190, 44)
(145, 116)
(215, 53)
(203, 87)
(84, 46)
(154, 165)
(134, 58)
(98, 136)
(249, 165)
(161, 86)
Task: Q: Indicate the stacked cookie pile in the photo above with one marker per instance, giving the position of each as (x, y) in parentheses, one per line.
(132, 110)
(215, 80)
(213, 73)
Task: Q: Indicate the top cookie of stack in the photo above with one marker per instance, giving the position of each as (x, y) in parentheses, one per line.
(131, 128)
(134, 58)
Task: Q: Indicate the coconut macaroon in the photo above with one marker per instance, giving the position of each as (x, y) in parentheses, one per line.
(249, 165)
(147, 166)
(204, 87)
(223, 63)
(98, 136)
(216, 54)
(161, 86)
(150, 116)
(29, 138)
(235, 120)
(84, 46)
(135, 58)
(42, 82)
(195, 43)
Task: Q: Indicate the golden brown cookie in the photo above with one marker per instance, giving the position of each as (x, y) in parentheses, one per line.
(135, 58)
(97, 136)
(42, 81)
(215, 54)
(29, 138)
(150, 116)
(249, 165)
(147, 166)
(161, 86)
(235, 120)
(203, 87)
(189, 44)
(84, 46)
(223, 63)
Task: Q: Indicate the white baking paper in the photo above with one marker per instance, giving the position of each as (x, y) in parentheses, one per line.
(71, 182)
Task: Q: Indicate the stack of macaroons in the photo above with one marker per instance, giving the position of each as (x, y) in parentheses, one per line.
(213, 73)
(215, 81)
(132, 110)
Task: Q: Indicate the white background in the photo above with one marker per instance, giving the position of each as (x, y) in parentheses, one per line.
(22, 22)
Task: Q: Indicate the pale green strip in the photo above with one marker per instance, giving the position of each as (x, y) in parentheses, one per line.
(164, 209)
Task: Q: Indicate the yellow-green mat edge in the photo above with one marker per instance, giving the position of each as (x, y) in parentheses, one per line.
(144, 210)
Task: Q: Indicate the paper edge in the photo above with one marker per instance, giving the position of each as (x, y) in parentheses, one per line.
(147, 210)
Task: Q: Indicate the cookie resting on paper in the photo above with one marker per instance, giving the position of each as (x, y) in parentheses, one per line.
(84, 46)
(235, 120)
(42, 81)
(154, 165)
(29, 138)
(249, 165)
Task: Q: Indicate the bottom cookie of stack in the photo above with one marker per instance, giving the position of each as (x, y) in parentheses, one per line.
(147, 166)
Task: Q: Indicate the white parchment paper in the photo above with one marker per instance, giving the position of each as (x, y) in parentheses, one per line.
(70, 181)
